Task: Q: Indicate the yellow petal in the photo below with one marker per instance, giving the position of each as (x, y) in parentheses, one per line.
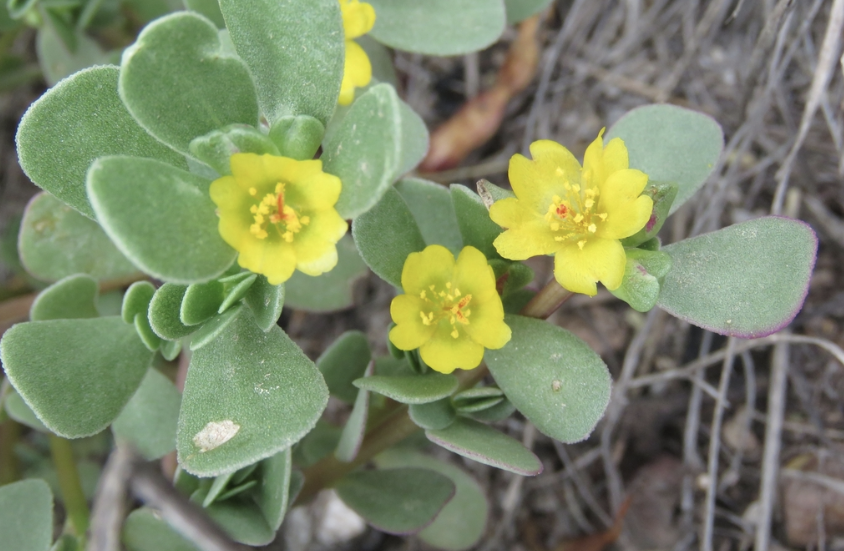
(409, 333)
(320, 264)
(512, 212)
(432, 266)
(227, 195)
(358, 18)
(621, 187)
(287, 170)
(444, 353)
(486, 324)
(274, 259)
(579, 269)
(615, 156)
(357, 72)
(536, 182)
(529, 240)
(474, 276)
(249, 170)
(316, 192)
(627, 219)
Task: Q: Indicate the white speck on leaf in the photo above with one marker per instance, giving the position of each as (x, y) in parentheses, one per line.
(215, 434)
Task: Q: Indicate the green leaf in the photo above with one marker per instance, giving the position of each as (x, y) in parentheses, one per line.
(18, 8)
(552, 377)
(164, 312)
(75, 122)
(56, 241)
(76, 375)
(642, 272)
(433, 211)
(22, 413)
(462, 521)
(415, 139)
(237, 291)
(295, 51)
(149, 419)
(519, 10)
(438, 27)
(179, 83)
(411, 389)
(476, 226)
(216, 148)
(136, 300)
(344, 361)
(214, 327)
(297, 137)
(518, 275)
(365, 151)
(170, 350)
(386, 235)
(208, 8)
(144, 530)
(748, 280)
(352, 436)
(663, 195)
(331, 291)
(145, 332)
(265, 301)
(486, 445)
(317, 444)
(396, 501)
(496, 413)
(671, 144)
(160, 217)
(26, 515)
(202, 300)
(248, 395)
(433, 415)
(58, 62)
(73, 297)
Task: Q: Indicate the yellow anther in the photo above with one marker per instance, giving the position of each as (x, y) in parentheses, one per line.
(455, 333)
(603, 216)
(456, 292)
(580, 244)
(579, 218)
(253, 209)
(448, 285)
(288, 236)
(558, 238)
(422, 295)
(253, 192)
(279, 187)
(559, 171)
(589, 203)
(575, 188)
(592, 228)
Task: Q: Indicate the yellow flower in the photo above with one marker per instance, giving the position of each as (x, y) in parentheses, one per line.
(577, 214)
(358, 19)
(278, 213)
(450, 311)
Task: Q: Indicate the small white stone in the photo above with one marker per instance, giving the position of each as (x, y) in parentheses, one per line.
(215, 434)
(338, 523)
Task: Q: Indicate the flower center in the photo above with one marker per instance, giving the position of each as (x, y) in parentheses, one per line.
(573, 217)
(446, 303)
(271, 211)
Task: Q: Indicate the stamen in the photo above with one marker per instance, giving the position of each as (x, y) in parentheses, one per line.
(580, 244)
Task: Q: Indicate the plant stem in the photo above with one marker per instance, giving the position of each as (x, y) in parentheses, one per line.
(10, 431)
(71, 488)
(397, 425)
(546, 301)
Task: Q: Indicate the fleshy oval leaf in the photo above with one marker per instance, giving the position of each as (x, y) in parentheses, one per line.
(552, 377)
(410, 389)
(179, 82)
(160, 217)
(748, 280)
(671, 144)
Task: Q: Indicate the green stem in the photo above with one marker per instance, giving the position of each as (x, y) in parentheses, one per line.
(71, 488)
(10, 431)
(397, 425)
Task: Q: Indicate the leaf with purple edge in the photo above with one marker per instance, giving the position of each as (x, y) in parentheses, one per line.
(486, 445)
(396, 501)
(748, 280)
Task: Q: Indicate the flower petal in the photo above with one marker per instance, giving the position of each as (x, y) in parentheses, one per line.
(627, 219)
(579, 269)
(532, 239)
(621, 187)
(358, 18)
(444, 353)
(274, 259)
(357, 72)
(474, 276)
(249, 170)
(536, 182)
(315, 192)
(432, 266)
(615, 156)
(486, 324)
(409, 333)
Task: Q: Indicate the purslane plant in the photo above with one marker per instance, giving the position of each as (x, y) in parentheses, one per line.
(215, 169)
